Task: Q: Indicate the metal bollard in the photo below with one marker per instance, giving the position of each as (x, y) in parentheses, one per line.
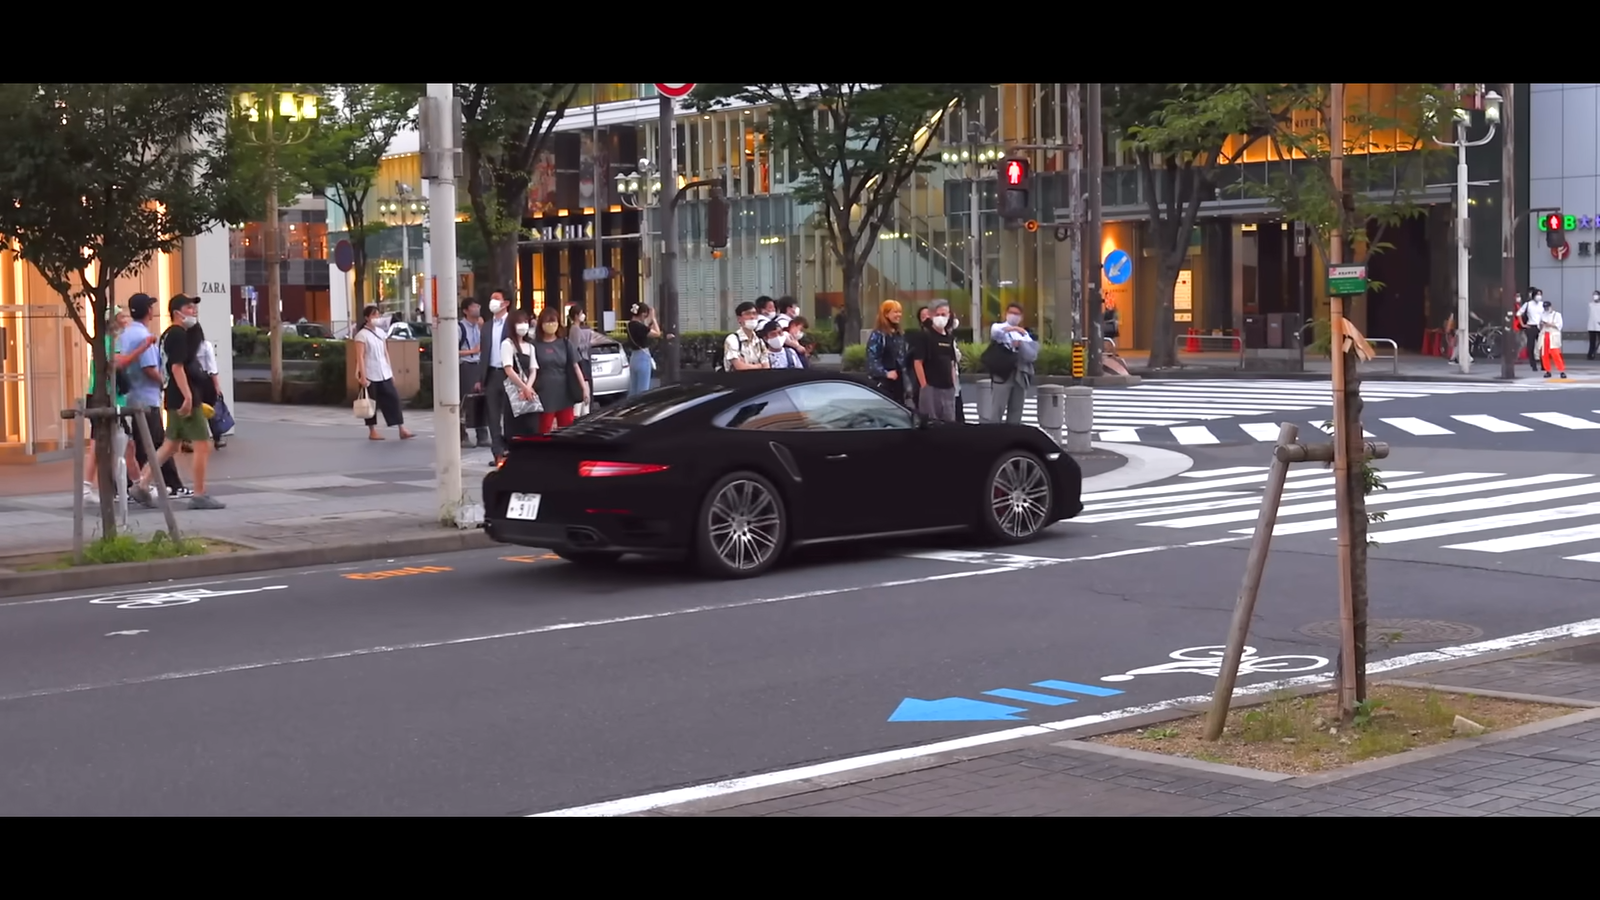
(1079, 404)
(983, 393)
(1052, 408)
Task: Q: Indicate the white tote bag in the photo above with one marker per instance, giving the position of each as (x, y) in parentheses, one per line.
(365, 407)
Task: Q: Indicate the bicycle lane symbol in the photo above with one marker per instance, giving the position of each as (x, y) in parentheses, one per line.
(1208, 661)
(181, 597)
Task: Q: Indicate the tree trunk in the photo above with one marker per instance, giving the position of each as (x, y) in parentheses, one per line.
(503, 267)
(852, 302)
(1358, 516)
(101, 430)
(358, 259)
(1163, 348)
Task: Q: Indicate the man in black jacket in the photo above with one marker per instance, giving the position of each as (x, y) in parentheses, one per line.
(497, 406)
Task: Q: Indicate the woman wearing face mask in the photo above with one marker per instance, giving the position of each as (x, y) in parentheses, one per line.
(581, 336)
(886, 352)
(1594, 324)
(558, 379)
(641, 328)
(516, 352)
(375, 375)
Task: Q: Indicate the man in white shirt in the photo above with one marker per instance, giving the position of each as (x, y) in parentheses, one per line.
(1550, 338)
(497, 407)
(742, 350)
(1011, 392)
(1530, 313)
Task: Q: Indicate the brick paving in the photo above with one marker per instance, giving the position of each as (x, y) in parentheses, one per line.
(1551, 773)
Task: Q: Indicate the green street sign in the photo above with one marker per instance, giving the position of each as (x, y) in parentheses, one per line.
(1344, 281)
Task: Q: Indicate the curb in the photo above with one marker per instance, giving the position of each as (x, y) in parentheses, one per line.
(1075, 738)
(88, 577)
(1144, 465)
(1372, 374)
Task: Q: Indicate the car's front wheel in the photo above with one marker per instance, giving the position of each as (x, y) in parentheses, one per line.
(1018, 497)
(742, 527)
(589, 557)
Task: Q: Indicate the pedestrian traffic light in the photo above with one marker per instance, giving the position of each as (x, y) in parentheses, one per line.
(1554, 227)
(717, 220)
(1016, 182)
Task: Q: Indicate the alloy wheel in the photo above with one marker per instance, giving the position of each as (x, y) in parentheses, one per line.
(744, 525)
(1020, 497)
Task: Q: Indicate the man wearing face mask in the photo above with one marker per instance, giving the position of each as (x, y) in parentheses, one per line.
(1010, 392)
(188, 391)
(1594, 324)
(1530, 313)
(743, 350)
(492, 374)
(933, 359)
(779, 354)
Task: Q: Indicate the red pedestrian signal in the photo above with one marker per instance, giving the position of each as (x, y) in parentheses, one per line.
(1015, 190)
(1016, 172)
(1554, 227)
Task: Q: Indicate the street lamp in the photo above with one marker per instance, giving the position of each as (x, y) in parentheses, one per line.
(274, 119)
(1463, 118)
(405, 209)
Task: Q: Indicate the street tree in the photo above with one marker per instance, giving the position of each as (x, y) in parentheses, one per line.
(856, 146)
(505, 130)
(95, 180)
(1376, 184)
(359, 123)
(1181, 135)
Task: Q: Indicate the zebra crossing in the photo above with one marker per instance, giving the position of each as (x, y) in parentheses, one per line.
(1188, 412)
(1457, 511)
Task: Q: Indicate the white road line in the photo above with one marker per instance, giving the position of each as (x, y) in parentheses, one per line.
(1586, 557)
(1261, 431)
(1120, 436)
(148, 588)
(1518, 542)
(1194, 434)
(1377, 499)
(1440, 509)
(1218, 473)
(1490, 423)
(1416, 426)
(710, 790)
(1526, 519)
(1562, 420)
(592, 623)
(1328, 430)
(1258, 478)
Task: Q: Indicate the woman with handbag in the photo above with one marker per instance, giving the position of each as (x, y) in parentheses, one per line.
(559, 380)
(516, 352)
(221, 420)
(581, 336)
(377, 378)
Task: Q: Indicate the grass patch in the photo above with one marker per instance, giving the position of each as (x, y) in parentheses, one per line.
(1301, 735)
(124, 548)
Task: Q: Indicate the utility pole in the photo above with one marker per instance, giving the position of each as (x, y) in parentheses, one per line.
(599, 208)
(1341, 435)
(1508, 229)
(1068, 309)
(1097, 167)
(975, 232)
(667, 306)
(440, 122)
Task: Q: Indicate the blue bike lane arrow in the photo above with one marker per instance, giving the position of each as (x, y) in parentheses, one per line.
(962, 709)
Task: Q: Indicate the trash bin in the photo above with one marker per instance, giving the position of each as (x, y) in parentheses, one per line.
(1274, 331)
(1078, 404)
(1052, 407)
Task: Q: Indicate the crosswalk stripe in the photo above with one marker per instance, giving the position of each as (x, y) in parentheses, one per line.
(1218, 473)
(1137, 509)
(1120, 436)
(1328, 429)
(1258, 478)
(1380, 499)
(1490, 423)
(1509, 520)
(1586, 557)
(1194, 434)
(1261, 431)
(1562, 420)
(1517, 542)
(1415, 426)
(1439, 509)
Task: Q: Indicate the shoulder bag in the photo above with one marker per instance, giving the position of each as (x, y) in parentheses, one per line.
(520, 405)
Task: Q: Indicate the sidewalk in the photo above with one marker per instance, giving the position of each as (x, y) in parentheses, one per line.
(1411, 367)
(1549, 768)
(291, 476)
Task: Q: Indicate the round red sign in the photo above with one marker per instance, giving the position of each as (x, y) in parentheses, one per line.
(1561, 251)
(675, 90)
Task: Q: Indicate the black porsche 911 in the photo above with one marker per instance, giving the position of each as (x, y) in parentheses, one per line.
(733, 471)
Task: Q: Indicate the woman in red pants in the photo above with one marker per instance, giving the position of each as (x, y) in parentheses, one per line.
(559, 380)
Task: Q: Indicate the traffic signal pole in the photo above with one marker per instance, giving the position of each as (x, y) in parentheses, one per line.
(667, 305)
(1097, 166)
(1508, 230)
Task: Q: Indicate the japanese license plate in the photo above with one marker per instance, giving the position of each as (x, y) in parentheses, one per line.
(523, 506)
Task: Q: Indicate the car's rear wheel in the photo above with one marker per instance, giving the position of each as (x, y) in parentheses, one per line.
(742, 527)
(589, 557)
(1018, 497)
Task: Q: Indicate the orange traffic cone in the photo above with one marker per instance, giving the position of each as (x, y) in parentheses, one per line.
(1193, 344)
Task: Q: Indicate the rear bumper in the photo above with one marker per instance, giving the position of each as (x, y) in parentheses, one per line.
(557, 536)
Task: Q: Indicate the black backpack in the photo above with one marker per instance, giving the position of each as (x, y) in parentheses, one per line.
(998, 360)
(719, 362)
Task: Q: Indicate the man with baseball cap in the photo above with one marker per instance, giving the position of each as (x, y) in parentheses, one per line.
(137, 351)
(189, 391)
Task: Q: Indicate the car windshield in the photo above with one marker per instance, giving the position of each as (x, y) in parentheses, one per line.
(421, 329)
(655, 405)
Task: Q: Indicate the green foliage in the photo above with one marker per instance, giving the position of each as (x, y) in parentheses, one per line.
(857, 146)
(506, 127)
(125, 548)
(359, 122)
(266, 154)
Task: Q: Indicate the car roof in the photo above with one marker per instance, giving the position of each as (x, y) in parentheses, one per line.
(751, 383)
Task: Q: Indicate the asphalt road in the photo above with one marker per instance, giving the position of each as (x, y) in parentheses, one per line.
(476, 684)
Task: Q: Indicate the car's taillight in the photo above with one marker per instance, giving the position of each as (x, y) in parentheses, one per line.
(593, 469)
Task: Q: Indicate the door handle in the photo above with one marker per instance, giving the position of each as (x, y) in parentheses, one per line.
(839, 456)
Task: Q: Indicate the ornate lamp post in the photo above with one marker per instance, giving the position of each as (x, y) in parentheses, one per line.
(272, 120)
(405, 209)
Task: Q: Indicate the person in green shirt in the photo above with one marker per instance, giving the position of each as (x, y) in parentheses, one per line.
(118, 399)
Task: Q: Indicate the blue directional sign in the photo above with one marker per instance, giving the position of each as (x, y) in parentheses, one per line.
(1119, 266)
(962, 709)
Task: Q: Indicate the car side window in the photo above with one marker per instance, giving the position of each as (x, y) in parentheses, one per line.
(841, 406)
(768, 412)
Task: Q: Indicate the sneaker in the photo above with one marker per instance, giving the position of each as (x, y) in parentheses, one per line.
(1563, 375)
(1548, 374)
(141, 496)
(183, 492)
(204, 501)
